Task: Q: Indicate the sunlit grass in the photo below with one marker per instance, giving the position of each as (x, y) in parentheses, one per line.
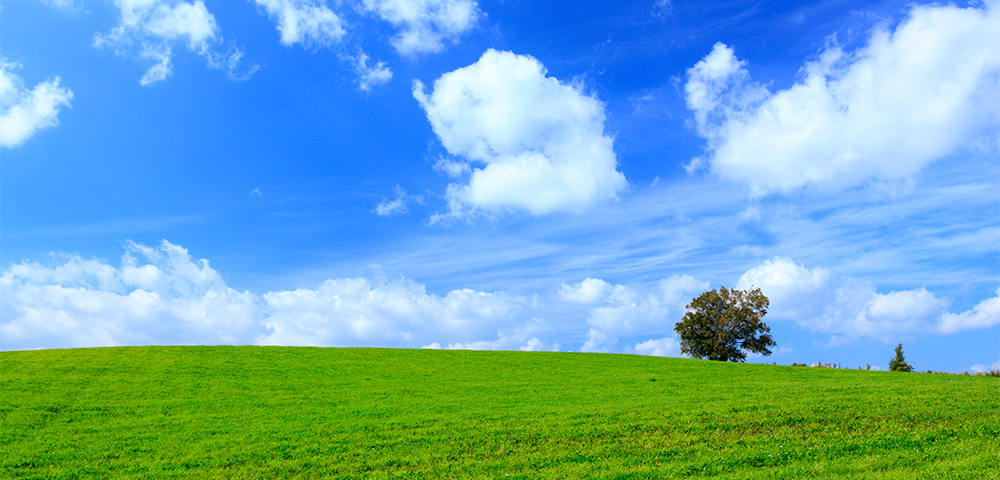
(265, 412)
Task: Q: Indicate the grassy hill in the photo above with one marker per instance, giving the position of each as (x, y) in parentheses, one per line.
(265, 412)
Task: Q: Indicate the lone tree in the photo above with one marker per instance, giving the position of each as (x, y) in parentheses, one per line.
(898, 364)
(723, 325)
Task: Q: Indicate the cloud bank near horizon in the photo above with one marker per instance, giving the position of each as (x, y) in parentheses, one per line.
(851, 308)
(162, 296)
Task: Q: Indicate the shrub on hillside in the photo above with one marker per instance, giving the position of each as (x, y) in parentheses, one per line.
(898, 363)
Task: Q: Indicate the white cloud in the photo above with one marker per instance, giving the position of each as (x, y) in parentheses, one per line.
(598, 342)
(984, 315)
(850, 308)
(983, 368)
(357, 311)
(618, 310)
(781, 350)
(153, 25)
(664, 347)
(623, 312)
(425, 24)
(511, 337)
(452, 168)
(161, 54)
(793, 290)
(541, 141)
(86, 303)
(23, 112)
(398, 205)
(371, 75)
(589, 291)
(309, 22)
(909, 97)
(388, 208)
(536, 345)
(161, 295)
(66, 6)
(662, 8)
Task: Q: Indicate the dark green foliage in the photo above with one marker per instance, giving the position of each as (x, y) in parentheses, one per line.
(724, 324)
(898, 363)
(270, 412)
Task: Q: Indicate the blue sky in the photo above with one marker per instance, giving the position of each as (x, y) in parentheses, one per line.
(501, 175)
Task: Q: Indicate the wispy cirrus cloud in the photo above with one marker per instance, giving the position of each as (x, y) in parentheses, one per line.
(940, 233)
(396, 206)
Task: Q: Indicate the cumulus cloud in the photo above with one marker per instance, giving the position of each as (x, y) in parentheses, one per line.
(167, 299)
(541, 142)
(308, 22)
(909, 97)
(151, 27)
(589, 291)
(984, 315)
(536, 345)
(358, 311)
(618, 310)
(978, 368)
(850, 308)
(425, 24)
(598, 342)
(663, 347)
(506, 340)
(24, 112)
(161, 295)
(371, 75)
(623, 312)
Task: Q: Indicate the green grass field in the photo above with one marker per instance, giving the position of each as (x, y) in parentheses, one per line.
(266, 412)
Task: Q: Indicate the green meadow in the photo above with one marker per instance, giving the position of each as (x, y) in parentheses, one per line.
(268, 412)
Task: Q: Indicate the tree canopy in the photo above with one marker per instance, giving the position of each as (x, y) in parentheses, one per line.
(725, 324)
